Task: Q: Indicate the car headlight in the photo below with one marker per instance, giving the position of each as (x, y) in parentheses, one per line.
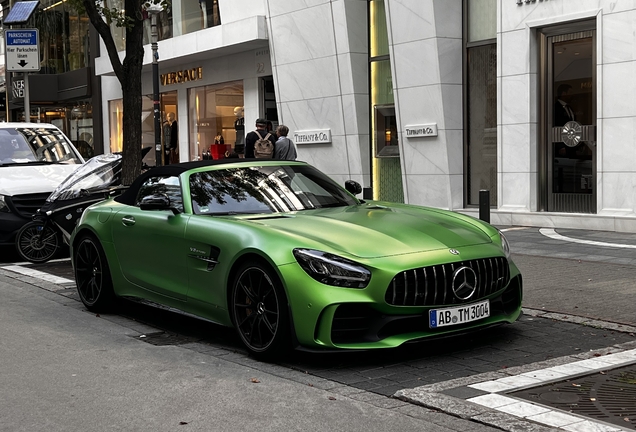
(4, 208)
(331, 269)
(504, 244)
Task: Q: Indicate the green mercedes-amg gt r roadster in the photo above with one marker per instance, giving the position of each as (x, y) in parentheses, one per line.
(289, 258)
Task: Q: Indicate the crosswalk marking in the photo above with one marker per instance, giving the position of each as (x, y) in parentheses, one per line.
(38, 274)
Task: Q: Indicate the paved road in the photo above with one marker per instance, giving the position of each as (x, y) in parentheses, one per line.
(64, 369)
(577, 303)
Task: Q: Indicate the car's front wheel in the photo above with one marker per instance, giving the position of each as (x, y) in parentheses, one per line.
(92, 275)
(259, 311)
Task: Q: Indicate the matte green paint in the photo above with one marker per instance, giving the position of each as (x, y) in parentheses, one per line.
(155, 258)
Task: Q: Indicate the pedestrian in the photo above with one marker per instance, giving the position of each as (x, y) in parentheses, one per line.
(259, 133)
(285, 148)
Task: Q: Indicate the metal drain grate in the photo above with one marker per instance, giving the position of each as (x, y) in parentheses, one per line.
(608, 396)
(163, 338)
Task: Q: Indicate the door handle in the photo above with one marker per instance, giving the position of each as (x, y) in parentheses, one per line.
(128, 220)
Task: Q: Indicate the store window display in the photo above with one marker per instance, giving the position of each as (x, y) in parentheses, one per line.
(215, 120)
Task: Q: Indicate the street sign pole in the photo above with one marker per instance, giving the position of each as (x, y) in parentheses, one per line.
(27, 102)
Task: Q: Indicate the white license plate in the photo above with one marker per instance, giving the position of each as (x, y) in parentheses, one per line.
(458, 315)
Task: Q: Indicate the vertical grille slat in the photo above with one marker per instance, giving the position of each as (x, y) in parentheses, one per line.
(477, 268)
(432, 285)
(416, 285)
(394, 291)
(435, 283)
(406, 288)
(485, 274)
(425, 287)
(498, 284)
(445, 284)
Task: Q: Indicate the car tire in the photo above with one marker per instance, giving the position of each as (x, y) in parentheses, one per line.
(260, 312)
(36, 242)
(92, 275)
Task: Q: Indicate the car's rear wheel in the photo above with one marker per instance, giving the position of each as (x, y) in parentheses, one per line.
(259, 311)
(92, 275)
(37, 242)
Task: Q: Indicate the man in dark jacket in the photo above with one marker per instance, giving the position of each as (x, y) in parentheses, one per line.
(250, 139)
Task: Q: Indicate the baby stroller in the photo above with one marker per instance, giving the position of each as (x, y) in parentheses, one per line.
(99, 178)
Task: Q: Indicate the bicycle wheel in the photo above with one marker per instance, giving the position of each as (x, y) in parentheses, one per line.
(37, 242)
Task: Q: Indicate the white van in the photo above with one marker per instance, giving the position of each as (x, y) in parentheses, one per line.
(34, 159)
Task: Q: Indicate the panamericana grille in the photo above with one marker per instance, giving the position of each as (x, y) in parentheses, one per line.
(26, 205)
(432, 286)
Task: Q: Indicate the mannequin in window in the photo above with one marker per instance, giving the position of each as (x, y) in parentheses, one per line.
(239, 127)
(167, 131)
(172, 152)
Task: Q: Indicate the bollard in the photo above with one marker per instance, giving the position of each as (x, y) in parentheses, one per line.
(484, 205)
(367, 193)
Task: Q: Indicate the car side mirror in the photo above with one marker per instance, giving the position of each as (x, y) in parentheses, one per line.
(353, 187)
(157, 202)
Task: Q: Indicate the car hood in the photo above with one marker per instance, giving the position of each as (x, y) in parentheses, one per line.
(27, 179)
(369, 231)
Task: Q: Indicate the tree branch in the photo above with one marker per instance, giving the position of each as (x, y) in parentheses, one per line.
(104, 31)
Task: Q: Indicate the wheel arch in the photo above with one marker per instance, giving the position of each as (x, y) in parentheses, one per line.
(246, 257)
(77, 235)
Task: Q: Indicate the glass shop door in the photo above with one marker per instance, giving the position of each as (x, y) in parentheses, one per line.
(570, 107)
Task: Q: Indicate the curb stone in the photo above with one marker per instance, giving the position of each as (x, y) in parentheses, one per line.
(431, 396)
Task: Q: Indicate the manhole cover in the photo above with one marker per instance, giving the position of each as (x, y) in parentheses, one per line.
(608, 396)
(163, 338)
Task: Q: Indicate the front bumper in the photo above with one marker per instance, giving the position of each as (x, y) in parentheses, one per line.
(360, 325)
(326, 317)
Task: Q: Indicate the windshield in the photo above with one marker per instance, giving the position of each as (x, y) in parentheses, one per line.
(96, 175)
(36, 145)
(266, 189)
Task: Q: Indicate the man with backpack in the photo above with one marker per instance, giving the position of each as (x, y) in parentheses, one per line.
(260, 143)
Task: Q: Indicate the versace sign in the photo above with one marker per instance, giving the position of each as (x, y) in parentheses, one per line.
(182, 76)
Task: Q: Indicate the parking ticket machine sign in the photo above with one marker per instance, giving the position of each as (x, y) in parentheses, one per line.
(23, 53)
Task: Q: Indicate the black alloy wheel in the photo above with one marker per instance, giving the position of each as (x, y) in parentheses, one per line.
(259, 312)
(92, 275)
(37, 242)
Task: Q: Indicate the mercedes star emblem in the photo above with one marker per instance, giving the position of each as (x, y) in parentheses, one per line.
(464, 282)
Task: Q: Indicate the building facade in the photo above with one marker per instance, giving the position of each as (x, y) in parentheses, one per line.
(429, 102)
(61, 86)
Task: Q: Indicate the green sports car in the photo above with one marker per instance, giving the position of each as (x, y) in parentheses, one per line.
(289, 258)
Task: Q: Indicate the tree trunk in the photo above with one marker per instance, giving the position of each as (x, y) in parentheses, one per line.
(131, 91)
